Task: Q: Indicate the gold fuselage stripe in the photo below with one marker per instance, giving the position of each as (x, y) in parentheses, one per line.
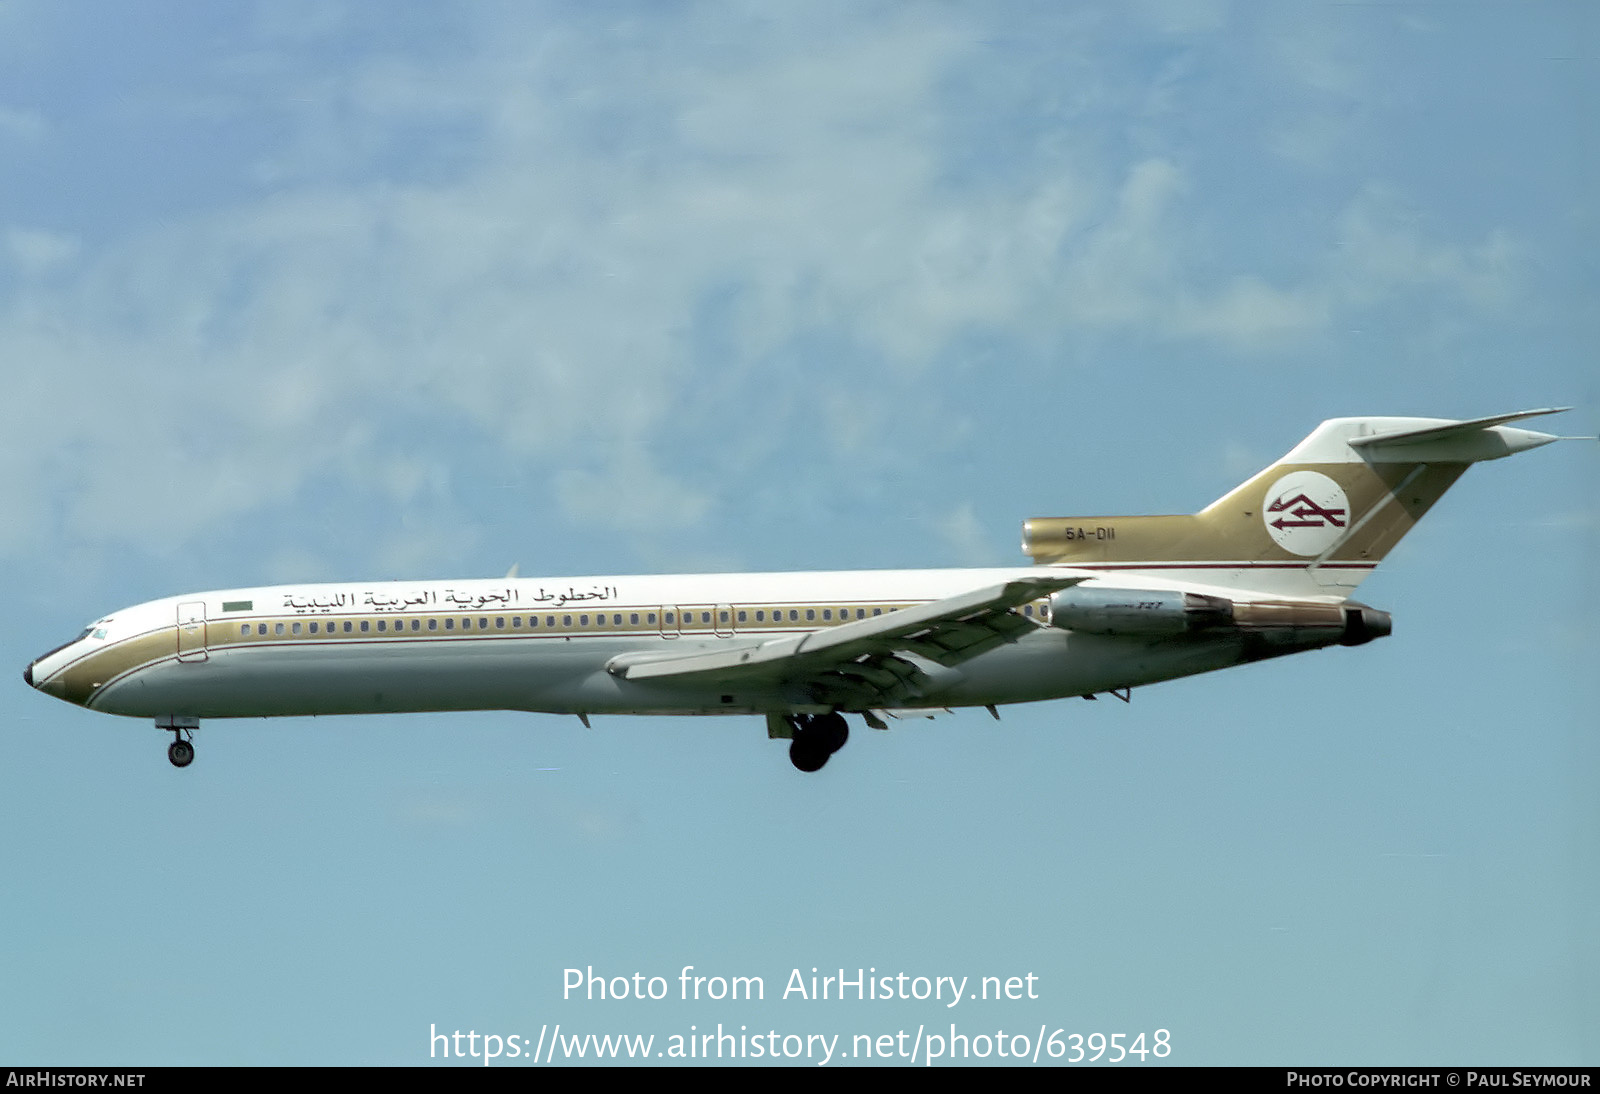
(81, 680)
(640, 621)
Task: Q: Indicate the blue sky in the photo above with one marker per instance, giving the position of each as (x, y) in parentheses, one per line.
(316, 291)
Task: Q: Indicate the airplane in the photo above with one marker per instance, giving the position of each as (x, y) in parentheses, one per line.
(1107, 604)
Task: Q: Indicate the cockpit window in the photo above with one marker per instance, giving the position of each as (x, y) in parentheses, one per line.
(99, 632)
(87, 631)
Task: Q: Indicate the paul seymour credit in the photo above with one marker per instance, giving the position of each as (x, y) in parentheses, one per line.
(1434, 1078)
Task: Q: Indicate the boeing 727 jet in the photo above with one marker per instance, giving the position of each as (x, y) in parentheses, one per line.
(1108, 604)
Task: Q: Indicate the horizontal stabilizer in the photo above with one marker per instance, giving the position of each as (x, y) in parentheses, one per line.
(1449, 431)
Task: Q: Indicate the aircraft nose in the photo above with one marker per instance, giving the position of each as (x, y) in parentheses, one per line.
(27, 674)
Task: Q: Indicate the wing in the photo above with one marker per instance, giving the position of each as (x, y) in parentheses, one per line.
(863, 664)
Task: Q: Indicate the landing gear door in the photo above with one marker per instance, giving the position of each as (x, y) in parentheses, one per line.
(192, 631)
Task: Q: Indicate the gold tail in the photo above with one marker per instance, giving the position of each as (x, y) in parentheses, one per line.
(1314, 523)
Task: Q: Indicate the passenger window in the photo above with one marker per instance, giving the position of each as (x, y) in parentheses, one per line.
(500, 623)
(811, 614)
(583, 621)
(416, 624)
(877, 611)
(566, 621)
(278, 627)
(633, 618)
(650, 618)
(365, 626)
(827, 613)
(516, 622)
(449, 624)
(742, 617)
(347, 627)
(433, 624)
(549, 620)
(245, 629)
(483, 623)
(616, 619)
(383, 624)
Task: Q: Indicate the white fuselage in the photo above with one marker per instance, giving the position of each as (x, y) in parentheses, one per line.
(544, 645)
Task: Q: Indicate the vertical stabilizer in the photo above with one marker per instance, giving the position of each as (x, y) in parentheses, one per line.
(1315, 523)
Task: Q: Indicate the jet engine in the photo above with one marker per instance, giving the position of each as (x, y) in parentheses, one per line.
(1137, 611)
(1165, 612)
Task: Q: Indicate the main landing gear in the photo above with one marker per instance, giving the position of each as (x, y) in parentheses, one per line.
(181, 751)
(816, 737)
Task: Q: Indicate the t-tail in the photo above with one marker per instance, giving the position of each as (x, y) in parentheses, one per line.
(1311, 526)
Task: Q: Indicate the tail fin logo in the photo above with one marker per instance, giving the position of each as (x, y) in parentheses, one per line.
(1308, 508)
(1305, 512)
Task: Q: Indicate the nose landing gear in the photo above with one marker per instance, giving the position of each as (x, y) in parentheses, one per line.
(180, 752)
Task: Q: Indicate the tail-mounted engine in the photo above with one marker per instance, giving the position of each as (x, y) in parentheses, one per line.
(1161, 612)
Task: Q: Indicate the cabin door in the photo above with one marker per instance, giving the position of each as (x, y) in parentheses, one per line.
(192, 631)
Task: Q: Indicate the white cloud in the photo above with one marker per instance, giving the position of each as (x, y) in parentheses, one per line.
(37, 252)
(20, 124)
(582, 260)
(630, 494)
(1383, 248)
(966, 537)
(1249, 313)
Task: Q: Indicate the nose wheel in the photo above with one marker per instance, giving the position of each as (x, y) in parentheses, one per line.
(181, 751)
(816, 737)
